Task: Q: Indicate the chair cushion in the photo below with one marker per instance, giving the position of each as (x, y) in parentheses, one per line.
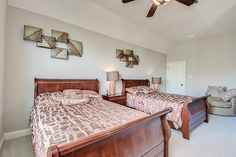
(228, 95)
(215, 90)
(218, 102)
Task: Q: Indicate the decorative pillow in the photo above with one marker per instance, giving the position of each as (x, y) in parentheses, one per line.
(71, 92)
(228, 95)
(74, 99)
(48, 99)
(57, 95)
(215, 90)
(90, 94)
(139, 89)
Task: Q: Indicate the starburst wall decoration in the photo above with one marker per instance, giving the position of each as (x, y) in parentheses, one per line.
(128, 57)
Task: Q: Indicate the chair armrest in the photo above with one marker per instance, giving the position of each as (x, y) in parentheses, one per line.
(233, 102)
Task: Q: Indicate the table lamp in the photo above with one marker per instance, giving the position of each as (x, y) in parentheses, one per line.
(112, 77)
(156, 81)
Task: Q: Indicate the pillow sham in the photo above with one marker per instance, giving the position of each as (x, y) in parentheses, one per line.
(68, 92)
(90, 94)
(215, 90)
(139, 89)
(74, 99)
(48, 99)
(228, 95)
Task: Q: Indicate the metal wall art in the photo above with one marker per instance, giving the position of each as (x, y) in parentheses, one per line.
(128, 57)
(74, 48)
(32, 34)
(59, 53)
(47, 42)
(60, 36)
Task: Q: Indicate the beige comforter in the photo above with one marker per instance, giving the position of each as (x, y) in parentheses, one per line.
(55, 124)
(156, 102)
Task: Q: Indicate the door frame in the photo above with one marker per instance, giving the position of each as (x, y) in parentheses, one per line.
(184, 74)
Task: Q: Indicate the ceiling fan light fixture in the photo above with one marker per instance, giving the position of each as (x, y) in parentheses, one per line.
(156, 2)
(160, 2)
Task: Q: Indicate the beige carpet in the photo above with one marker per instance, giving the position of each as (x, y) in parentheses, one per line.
(216, 139)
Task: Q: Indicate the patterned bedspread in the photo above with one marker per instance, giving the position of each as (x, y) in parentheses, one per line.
(55, 124)
(156, 102)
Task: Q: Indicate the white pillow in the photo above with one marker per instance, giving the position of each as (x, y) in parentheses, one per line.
(68, 92)
(74, 99)
(228, 95)
(90, 94)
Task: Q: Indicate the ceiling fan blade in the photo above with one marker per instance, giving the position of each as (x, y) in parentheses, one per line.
(126, 1)
(152, 10)
(187, 2)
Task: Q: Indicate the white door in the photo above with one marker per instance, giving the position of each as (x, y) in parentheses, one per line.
(175, 79)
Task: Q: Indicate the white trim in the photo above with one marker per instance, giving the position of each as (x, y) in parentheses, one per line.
(17, 134)
(2, 140)
(13, 135)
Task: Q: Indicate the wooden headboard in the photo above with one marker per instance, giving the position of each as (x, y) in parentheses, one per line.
(53, 85)
(126, 83)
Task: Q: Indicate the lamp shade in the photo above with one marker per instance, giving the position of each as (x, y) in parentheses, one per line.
(156, 80)
(112, 76)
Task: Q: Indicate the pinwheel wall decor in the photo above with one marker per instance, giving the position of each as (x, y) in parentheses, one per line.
(73, 47)
(128, 57)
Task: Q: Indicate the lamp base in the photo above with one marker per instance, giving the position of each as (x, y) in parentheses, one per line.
(156, 87)
(112, 88)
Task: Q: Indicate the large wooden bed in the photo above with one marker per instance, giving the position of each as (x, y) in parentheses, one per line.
(143, 137)
(193, 114)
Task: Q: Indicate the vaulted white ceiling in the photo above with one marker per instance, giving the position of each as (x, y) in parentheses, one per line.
(176, 21)
(172, 23)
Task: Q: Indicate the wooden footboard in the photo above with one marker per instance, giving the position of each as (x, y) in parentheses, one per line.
(144, 137)
(194, 114)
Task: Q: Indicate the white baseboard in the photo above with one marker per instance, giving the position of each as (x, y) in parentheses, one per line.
(2, 140)
(14, 134)
(17, 134)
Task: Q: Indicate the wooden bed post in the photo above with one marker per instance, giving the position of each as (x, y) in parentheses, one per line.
(186, 123)
(53, 151)
(167, 134)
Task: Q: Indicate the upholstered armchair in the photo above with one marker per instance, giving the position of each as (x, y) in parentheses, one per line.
(221, 102)
(219, 107)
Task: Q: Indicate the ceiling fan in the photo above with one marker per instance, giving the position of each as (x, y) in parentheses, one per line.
(157, 3)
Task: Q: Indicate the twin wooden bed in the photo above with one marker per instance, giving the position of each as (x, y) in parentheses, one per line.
(193, 113)
(146, 136)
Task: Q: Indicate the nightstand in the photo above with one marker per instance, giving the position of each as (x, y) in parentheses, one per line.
(117, 98)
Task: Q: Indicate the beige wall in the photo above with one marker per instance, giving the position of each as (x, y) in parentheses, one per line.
(24, 61)
(3, 4)
(210, 61)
